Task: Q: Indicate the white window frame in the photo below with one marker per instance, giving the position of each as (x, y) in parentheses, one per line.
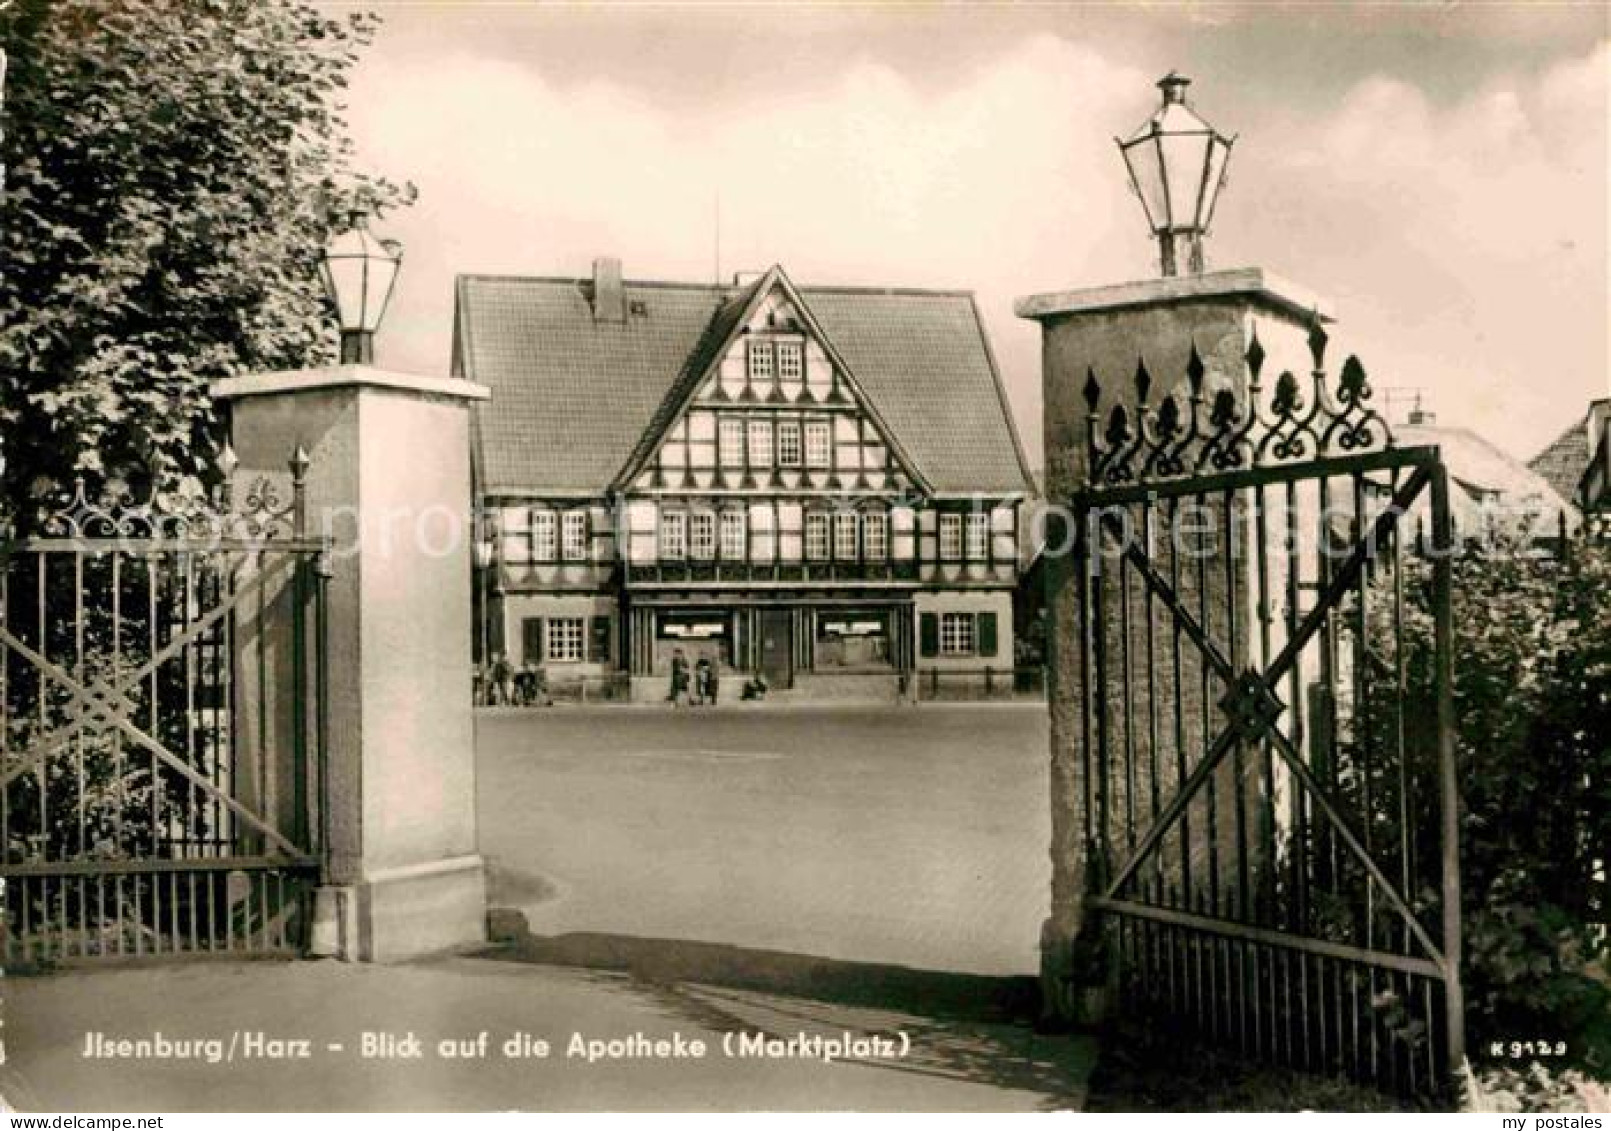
(845, 531)
(730, 442)
(544, 536)
(702, 536)
(565, 640)
(817, 548)
(792, 353)
(959, 634)
(734, 536)
(976, 536)
(950, 536)
(759, 440)
(759, 363)
(790, 450)
(673, 536)
(573, 536)
(875, 536)
(818, 443)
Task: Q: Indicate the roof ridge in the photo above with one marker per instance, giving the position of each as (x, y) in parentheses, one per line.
(724, 288)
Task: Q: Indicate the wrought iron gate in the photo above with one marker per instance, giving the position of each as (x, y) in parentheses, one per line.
(1267, 737)
(161, 726)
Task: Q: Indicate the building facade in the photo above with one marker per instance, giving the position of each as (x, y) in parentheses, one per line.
(820, 485)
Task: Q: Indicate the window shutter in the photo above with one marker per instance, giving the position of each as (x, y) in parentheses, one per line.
(531, 640)
(928, 631)
(599, 641)
(987, 634)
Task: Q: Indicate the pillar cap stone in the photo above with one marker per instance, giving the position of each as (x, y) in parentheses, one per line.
(1254, 283)
(292, 381)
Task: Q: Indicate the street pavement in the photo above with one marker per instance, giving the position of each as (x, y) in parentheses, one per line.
(912, 835)
(877, 871)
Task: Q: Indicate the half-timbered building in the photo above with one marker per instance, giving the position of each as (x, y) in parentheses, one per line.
(820, 484)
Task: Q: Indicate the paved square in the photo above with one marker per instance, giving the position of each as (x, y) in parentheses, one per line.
(909, 835)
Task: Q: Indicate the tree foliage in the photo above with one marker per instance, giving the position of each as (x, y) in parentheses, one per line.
(1532, 704)
(173, 168)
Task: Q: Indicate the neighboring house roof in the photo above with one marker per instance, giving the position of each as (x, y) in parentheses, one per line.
(1479, 470)
(1564, 460)
(573, 399)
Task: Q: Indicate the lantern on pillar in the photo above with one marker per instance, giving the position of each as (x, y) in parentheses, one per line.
(359, 272)
(1177, 166)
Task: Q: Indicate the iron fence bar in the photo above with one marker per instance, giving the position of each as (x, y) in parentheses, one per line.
(1448, 771)
(1083, 566)
(77, 691)
(1211, 817)
(1180, 703)
(79, 544)
(1271, 676)
(1239, 748)
(1127, 686)
(1340, 823)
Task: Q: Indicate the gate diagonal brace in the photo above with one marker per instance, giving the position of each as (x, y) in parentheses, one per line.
(1243, 699)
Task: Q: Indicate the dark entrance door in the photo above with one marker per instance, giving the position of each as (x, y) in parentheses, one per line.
(777, 647)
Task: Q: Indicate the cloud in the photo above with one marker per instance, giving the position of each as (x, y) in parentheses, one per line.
(1465, 243)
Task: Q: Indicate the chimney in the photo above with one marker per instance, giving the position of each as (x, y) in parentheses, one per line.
(609, 295)
(1420, 416)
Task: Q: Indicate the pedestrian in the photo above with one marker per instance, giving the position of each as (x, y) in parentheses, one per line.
(679, 678)
(713, 681)
(526, 684)
(501, 675)
(702, 680)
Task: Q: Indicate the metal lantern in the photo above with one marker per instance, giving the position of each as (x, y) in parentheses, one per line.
(1177, 165)
(359, 272)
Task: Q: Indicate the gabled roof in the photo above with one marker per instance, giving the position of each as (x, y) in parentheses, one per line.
(1567, 457)
(575, 399)
(732, 316)
(1479, 468)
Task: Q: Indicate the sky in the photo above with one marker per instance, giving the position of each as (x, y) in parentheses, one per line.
(1437, 171)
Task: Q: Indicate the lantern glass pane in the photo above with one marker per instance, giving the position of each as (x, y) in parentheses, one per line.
(1142, 157)
(347, 285)
(382, 273)
(1217, 156)
(1185, 158)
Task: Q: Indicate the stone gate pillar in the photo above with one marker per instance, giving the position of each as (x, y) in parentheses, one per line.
(1107, 331)
(389, 482)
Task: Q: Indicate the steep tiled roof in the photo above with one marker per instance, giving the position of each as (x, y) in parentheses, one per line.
(1565, 459)
(573, 398)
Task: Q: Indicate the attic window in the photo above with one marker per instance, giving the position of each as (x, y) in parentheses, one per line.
(760, 353)
(639, 308)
